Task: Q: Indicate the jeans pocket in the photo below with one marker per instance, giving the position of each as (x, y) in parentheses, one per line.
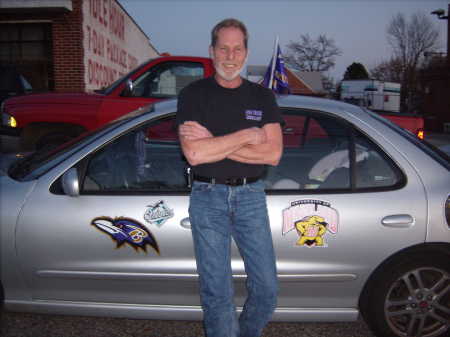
(199, 186)
(258, 186)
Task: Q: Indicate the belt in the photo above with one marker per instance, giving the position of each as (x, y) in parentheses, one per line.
(227, 181)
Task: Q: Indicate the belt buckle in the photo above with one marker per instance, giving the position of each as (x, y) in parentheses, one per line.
(230, 182)
(236, 181)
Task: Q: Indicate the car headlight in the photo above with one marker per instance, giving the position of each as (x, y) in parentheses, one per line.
(9, 120)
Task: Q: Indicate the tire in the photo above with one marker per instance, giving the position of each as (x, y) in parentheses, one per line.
(38, 135)
(411, 298)
(51, 141)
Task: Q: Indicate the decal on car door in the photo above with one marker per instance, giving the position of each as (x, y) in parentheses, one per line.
(158, 213)
(312, 219)
(126, 230)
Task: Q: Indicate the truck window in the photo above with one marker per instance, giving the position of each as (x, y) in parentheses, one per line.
(167, 79)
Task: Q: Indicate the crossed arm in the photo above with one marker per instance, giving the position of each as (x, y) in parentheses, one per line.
(253, 145)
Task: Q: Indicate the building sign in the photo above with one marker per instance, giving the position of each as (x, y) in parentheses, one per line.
(113, 43)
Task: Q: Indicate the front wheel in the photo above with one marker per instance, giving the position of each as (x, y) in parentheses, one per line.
(411, 299)
(52, 141)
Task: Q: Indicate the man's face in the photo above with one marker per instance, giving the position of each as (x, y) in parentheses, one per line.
(229, 54)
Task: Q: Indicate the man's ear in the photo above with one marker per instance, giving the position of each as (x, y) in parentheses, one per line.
(211, 51)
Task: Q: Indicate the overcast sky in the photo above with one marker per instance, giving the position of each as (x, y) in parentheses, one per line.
(358, 27)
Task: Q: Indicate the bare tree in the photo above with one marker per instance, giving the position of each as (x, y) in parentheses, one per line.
(388, 71)
(312, 55)
(409, 40)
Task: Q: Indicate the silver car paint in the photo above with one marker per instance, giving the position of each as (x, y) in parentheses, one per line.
(58, 262)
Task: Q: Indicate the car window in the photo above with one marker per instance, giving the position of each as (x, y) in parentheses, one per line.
(167, 79)
(25, 84)
(322, 153)
(146, 159)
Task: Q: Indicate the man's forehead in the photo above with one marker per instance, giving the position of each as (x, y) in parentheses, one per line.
(230, 34)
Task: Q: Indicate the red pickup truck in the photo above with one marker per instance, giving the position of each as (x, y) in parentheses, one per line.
(412, 122)
(53, 118)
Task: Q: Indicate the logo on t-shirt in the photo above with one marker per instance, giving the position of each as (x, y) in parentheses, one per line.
(254, 115)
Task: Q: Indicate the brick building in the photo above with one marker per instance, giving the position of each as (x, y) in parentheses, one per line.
(436, 102)
(70, 45)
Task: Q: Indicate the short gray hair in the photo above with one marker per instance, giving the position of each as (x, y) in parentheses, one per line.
(226, 24)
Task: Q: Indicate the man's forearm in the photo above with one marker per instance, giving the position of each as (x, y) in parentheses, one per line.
(257, 154)
(213, 149)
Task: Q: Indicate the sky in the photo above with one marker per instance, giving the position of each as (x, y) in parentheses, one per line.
(358, 27)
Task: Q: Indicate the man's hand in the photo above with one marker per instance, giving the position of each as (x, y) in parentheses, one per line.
(192, 130)
(252, 145)
(268, 152)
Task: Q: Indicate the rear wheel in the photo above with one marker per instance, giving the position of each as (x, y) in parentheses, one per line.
(411, 298)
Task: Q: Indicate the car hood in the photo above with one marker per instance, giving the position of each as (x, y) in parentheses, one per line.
(56, 98)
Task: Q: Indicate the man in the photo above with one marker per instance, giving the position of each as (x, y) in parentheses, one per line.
(229, 130)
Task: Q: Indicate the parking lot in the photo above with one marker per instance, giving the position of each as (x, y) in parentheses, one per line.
(31, 325)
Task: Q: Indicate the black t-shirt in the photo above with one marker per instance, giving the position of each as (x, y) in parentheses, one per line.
(223, 111)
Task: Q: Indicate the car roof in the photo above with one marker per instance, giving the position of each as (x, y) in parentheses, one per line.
(287, 101)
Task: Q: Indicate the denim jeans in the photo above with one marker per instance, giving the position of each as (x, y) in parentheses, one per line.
(217, 214)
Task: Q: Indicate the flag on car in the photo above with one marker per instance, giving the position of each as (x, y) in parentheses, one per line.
(276, 76)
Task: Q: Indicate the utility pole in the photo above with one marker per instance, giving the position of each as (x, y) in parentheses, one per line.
(441, 15)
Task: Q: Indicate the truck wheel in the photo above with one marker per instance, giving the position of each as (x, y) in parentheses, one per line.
(411, 298)
(52, 140)
(39, 135)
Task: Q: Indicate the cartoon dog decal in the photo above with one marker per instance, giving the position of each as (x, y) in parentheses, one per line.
(311, 229)
(312, 219)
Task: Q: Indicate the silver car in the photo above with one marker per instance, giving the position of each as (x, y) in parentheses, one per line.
(359, 209)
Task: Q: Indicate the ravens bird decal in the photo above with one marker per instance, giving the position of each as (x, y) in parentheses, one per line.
(126, 230)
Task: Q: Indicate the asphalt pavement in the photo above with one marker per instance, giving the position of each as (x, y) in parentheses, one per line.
(33, 325)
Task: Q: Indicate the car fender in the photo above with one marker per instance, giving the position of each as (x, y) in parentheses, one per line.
(10, 273)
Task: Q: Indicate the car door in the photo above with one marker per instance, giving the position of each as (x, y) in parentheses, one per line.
(340, 203)
(126, 238)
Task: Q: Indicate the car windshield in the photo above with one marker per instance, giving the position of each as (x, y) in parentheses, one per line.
(37, 163)
(434, 152)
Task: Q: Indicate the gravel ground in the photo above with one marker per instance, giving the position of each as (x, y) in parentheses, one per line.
(33, 325)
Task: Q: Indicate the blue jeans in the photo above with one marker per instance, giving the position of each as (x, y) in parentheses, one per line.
(217, 214)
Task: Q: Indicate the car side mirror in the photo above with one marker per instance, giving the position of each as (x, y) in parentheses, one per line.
(70, 182)
(128, 90)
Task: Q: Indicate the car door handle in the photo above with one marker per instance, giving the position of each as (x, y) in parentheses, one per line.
(185, 223)
(398, 221)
